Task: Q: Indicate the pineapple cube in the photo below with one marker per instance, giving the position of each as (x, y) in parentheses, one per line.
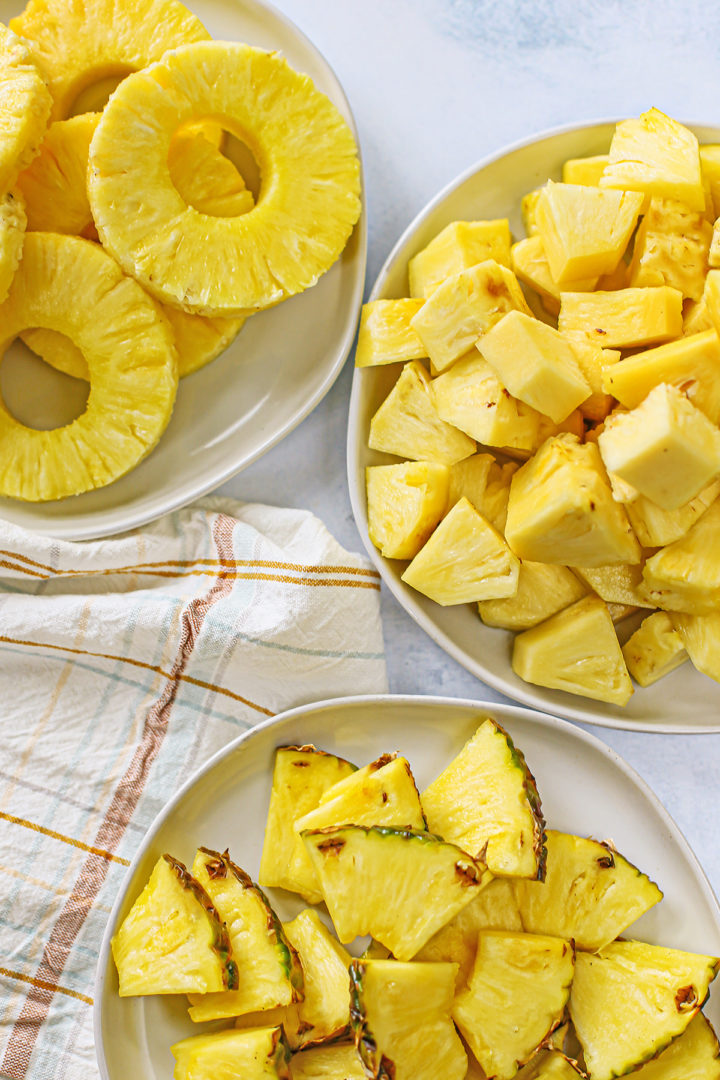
(655, 649)
(671, 248)
(459, 246)
(543, 590)
(655, 154)
(710, 171)
(407, 423)
(615, 584)
(530, 264)
(385, 335)
(469, 478)
(405, 503)
(465, 306)
(536, 364)
(700, 639)
(471, 398)
(665, 448)
(593, 361)
(576, 650)
(623, 318)
(655, 527)
(685, 576)
(528, 206)
(585, 230)
(587, 170)
(561, 509)
(465, 559)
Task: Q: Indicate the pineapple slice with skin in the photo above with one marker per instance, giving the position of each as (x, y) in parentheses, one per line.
(590, 893)
(463, 308)
(287, 1017)
(700, 636)
(654, 650)
(12, 235)
(324, 1012)
(657, 156)
(587, 170)
(71, 285)
(486, 801)
(328, 1063)
(543, 590)
(465, 559)
(173, 940)
(408, 424)
(593, 361)
(430, 880)
(405, 503)
(470, 478)
(531, 266)
(685, 575)
(694, 1055)
(671, 248)
(258, 1054)
(615, 584)
(655, 527)
(577, 651)
(25, 105)
(300, 776)
(270, 972)
(631, 999)
(623, 318)
(385, 334)
(224, 266)
(381, 793)
(561, 509)
(457, 247)
(516, 996)
(401, 1020)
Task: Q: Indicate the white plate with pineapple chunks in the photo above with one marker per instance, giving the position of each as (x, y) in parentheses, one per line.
(237, 407)
(585, 788)
(683, 701)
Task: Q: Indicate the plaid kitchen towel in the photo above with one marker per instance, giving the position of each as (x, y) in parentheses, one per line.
(124, 664)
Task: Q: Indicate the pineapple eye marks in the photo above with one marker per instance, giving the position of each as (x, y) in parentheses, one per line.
(37, 395)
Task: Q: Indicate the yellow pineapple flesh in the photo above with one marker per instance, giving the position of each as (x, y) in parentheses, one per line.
(587, 170)
(381, 793)
(531, 266)
(655, 649)
(618, 584)
(671, 248)
(55, 183)
(700, 637)
(328, 1063)
(695, 1053)
(655, 527)
(259, 1054)
(457, 247)
(385, 334)
(324, 1012)
(685, 575)
(470, 478)
(25, 105)
(405, 503)
(543, 590)
(205, 178)
(12, 234)
(623, 318)
(593, 361)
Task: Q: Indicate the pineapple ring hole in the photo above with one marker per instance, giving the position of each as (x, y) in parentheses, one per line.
(245, 162)
(36, 394)
(96, 87)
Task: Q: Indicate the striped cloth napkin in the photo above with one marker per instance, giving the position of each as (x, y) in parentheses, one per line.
(124, 664)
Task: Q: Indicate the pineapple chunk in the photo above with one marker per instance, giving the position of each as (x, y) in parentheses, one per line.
(324, 1012)
(401, 1020)
(328, 1063)
(631, 999)
(429, 881)
(487, 803)
(549, 1065)
(54, 185)
(710, 170)
(528, 206)
(590, 893)
(712, 298)
(405, 503)
(173, 940)
(457, 247)
(593, 361)
(516, 996)
(665, 448)
(381, 793)
(471, 397)
(530, 264)
(561, 509)
(258, 1054)
(585, 230)
(285, 1017)
(694, 1055)
(671, 248)
(685, 576)
(465, 559)
(615, 584)
(696, 316)
(497, 493)
(655, 649)
(300, 777)
(656, 155)
(536, 364)
(657, 528)
(385, 335)
(623, 318)
(576, 650)
(543, 590)
(465, 306)
(700, 637)
(587, 170)
(469, 478)
(408, 424)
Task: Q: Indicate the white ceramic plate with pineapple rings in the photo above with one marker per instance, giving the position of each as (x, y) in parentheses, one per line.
(231, 412)
(585, 788)
(682, 702)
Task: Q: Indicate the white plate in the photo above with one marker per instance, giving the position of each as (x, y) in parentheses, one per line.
(584, 786)
(282, 364)
(682, 702)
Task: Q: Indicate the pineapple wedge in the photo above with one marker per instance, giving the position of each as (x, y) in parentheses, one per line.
(623, 318)
(531, 266)
(497, 494)
(549, 1065)
(694, 1055)
(328, 1063)
(381, 793)
(12, 235)
(655, 527)
(405, 503)
(259, 1054)
(486, 801)
(401, 1020)
(457, 247)
(591, 894)
(516, 996)
(470, 478)
(543, 590)
(465, 559)
(587, 170)
(385, 335)
(630, 1000)
(615, 584)
(655, 649)
(324, 1012)
(576, 650)
(430, 881)
(671, 248)
(173, 941)
(700, 638)
(26, 105)
(685, 576)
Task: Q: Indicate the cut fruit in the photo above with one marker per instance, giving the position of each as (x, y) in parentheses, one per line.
(593, 362)
(385, 335)
(615, 584)
(530, 264)
(270, 973)
(516, 996)
(630, 1000)
(381, 793)
(700, 636)
(654, 650)
(497, 493)
(429, 880)
(623, 318)
(259, 1054)
(205, 178)
(655, 527)
(328, 1063)
(324, 1012)
(671, 248)
(591, 894)
(457, 247)
(487, 803)
(543, 590)
(587, 170)
(401, 1020)
(470, 478)
(405, 503)
(300, 776)
(173, 941)
(549, 1065)
(694, 1055)
(54, 186)
(25, 105)
(224, 266)
(12, 235)
(685, 576)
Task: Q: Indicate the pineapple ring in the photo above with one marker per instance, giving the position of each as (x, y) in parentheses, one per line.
(12, 234)
(71, 285)
(308, 203)
(25, 105)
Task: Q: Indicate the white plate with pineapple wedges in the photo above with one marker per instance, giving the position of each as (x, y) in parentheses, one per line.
(585, 788)
(682, 702)
(241, 404)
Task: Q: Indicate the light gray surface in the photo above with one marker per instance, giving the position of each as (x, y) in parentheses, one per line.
(436, 85)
